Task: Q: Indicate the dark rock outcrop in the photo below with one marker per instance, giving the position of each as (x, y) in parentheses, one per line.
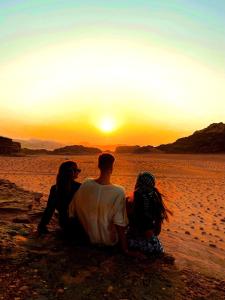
(27, 151)
(207, 140)
(126, 149)
(76, 150)
(146, 149)
(136, 149)
(8, 147)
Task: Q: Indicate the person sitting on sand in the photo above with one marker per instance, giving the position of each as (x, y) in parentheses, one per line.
(101, 208)
(146, 214)
(60, 196)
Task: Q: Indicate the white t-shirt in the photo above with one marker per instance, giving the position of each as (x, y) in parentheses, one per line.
(99, 208)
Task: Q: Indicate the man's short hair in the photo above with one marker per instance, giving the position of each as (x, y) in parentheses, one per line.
(105, 161)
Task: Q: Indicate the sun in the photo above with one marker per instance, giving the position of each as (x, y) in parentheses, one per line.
(107, 125)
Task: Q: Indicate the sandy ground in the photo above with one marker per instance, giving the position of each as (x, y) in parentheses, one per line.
(194, 189)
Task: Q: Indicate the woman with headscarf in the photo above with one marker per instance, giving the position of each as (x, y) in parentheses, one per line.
(60, 196)
(147, 215)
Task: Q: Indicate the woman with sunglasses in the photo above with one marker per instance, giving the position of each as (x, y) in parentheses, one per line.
(60, 196)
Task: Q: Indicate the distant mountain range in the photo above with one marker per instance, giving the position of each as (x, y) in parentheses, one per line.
(207, 140)
(39, 144)
(76, 150)
(136, 149)
(67, 150)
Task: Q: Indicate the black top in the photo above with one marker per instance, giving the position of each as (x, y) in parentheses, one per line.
(61, 204)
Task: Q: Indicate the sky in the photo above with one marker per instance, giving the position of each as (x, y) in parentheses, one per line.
(111, 72)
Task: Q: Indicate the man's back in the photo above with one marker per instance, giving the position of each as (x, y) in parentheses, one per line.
(99, 208)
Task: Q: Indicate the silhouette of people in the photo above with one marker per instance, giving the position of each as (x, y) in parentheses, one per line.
(60, 196)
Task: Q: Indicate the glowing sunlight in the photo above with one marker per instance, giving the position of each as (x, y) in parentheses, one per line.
(107, 125)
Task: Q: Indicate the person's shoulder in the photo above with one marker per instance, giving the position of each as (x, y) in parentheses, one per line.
(76, 184)
(88, 181)
(119, 188)
(53, 188)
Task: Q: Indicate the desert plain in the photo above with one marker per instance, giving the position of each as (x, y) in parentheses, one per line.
(194, 190)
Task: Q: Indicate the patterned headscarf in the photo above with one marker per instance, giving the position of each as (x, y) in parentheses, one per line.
(145, 182)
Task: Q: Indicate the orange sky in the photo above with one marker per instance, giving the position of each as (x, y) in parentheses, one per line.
(111, 73)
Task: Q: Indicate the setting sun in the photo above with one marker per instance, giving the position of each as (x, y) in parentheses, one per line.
(107, 125)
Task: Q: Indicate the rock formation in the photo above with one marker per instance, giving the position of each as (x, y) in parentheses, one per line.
(146, 149)
(8, 147)
(76, 150)
(137, 149)
(207, 140)
(126, 149)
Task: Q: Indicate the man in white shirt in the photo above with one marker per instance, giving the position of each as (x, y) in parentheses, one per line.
(101, 207)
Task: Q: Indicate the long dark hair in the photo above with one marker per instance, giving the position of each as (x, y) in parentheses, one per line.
(153, 199)
(161, 211)
(65, 177)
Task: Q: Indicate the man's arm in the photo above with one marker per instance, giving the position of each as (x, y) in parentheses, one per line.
(120, 220)
(122, 238)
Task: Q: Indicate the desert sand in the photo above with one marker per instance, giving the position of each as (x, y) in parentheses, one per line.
(194, 189)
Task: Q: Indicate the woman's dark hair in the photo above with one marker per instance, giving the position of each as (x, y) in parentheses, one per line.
(65, 177)
(153, 199)
(161, 211)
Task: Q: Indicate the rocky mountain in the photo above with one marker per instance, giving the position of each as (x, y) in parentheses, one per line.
(136, 149)
(146, 149)
(207, 140)
(126, 149)
(76, 150)
(8, 147)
